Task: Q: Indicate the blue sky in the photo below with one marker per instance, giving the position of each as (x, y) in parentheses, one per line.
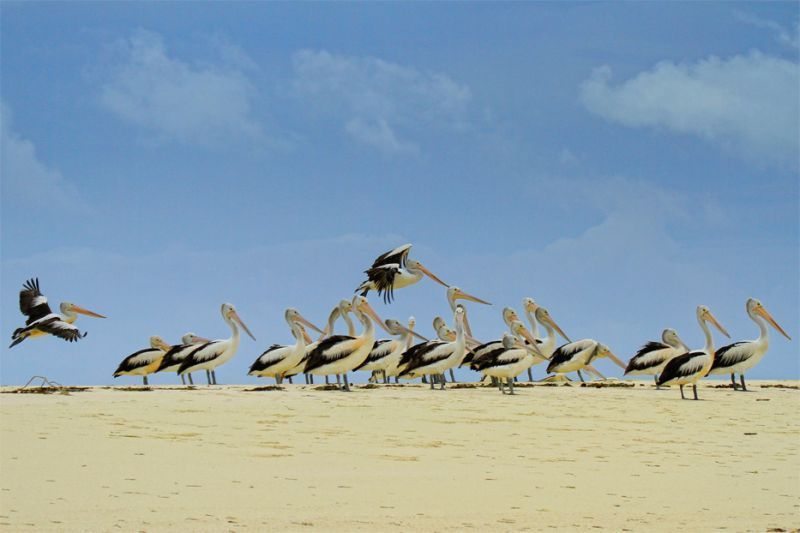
(620, 163)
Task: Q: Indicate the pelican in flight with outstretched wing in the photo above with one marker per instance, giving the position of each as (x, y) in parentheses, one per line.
(742, 356)
(394, 270)
(42, 321)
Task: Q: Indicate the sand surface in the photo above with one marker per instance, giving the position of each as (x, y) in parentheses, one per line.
(400, 459)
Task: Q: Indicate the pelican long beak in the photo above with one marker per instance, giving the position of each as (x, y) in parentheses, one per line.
(616, 360)
(367, 308)
(86, 312)
(410, 331)
(717, 324)
(559, 330)
(306, 338)
(300, 318)
(467, 327)
(432, 276)
(461, 295)
(533, 346)
(238, 319)
(763, 312)
(201, 340)
(470, 338)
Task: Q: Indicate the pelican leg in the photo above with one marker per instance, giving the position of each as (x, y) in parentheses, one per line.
(424, 379)
(278, 380)
(444, 380)
(327, 380)
(694, 388)
(183, 379)
(144, 379)
(733, 381)
(655, 378)
(500, 385)
(682, 396)
(190, 379)
(431, 380)
(530, 374)
(346, 382)
(208, 377)
(581, 376)
(385, 378)
(214, 376)
(510, 385)
(290, 380)
(744, 387)
(452, 376)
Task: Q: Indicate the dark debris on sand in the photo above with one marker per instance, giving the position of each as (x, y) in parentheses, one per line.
(603, 384)
(45, 390)
(265, 388)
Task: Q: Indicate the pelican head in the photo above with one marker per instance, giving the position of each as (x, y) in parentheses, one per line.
(68, 308)
(446, 334)
(510, 342)
(509, 316)
(292, 316)
(360, 304)
(704, 315)
(229, 313)
(543, 317)
(530, 305)
(670, 338)
(396, 328)
(755, 307)
(412, 322)
(158, 343)
(415, 266)
(438, 323)
(601, 350)
(191, 338)
(454, 293)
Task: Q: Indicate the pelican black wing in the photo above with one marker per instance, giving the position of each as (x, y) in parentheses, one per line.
(317, 357)
(32, 302)
(397, 256)
(729, 356)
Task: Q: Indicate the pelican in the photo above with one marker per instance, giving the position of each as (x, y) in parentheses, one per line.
(171, 362)
(394, 369)
(574, 356)
(507, 361)
(343, 305)
(509, 317)
(42, 321)
(339, 354)
(742, 356)
(279, 359)
(654, 356)
(144, 362)
(433, 358)
(394, 270)
(693, 366)
(208, 356)
(386, 353)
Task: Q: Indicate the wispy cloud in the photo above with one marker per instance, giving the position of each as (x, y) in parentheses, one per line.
(787, 36)
(28, 181)
(747, 103)
(208, 104)
(379, 103)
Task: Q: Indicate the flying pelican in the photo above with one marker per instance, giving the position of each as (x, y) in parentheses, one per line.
(339, 354)
(279, 359)
(433, 358)
(171, 362)
(394, 270)
(144, 362)
(742, 356)
(386, 353)
(574, 356)
(208, 356)
(42, 321)
(654, 356)
(507, 361)
(691, 367)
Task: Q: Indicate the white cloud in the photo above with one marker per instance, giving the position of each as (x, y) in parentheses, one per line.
(375, 99)
(205, 104)
(788, 37)
(747, 103)
(28, 181)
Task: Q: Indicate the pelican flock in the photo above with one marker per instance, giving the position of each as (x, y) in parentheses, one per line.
(519, 349)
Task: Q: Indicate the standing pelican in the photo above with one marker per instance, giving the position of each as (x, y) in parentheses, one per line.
(386, 353)
(507, 361)
(171, 362)
(42, 321)
(143, 362)
(693, 366)
(342, 307)
(339, 354)
(509, 317)
(279, 359)
(742, 356)
(654, 356)
(433, 358)
(394, 270)
(575, 356)
(208, 356)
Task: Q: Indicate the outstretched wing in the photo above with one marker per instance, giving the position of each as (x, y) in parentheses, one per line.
(58, 328)
(397, 256)
(32, 302)
(382, 278)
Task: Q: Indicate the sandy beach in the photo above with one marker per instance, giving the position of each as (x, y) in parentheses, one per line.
(401, 458)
